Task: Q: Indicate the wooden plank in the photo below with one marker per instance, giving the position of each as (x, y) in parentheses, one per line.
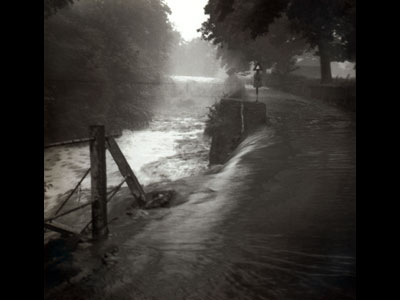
(68, 212)
(77, 141)
(61, 228)
(126, 171)
(72, 192)
(98, 182)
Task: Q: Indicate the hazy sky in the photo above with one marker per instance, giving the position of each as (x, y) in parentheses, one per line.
(187, 16)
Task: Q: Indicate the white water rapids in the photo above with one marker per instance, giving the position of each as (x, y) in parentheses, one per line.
(277, 222)
(172, 147)
(169, 149)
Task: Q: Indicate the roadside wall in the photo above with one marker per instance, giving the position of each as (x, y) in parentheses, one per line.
(238, 120)
(341, 96)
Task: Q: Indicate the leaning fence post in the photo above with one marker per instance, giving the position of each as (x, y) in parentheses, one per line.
(98, 181)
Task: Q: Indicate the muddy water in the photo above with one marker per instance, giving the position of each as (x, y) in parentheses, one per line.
(278, 222)
(171, 148)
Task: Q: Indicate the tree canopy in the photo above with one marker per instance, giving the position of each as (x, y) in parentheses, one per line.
(329, 25)
(102, 62)
(277, 49)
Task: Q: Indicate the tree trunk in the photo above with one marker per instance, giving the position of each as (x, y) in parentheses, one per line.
(325, 62)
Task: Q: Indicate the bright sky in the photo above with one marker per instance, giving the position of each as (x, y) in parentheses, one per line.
(187, 16)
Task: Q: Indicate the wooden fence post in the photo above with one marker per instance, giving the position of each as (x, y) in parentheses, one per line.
(98, 181)
(126, 171)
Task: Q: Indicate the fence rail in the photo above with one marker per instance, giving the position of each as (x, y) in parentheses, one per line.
(73, 191)
(77, 141)
(99, 142)
(68, 212)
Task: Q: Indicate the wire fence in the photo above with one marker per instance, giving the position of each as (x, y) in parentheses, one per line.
(132, 182)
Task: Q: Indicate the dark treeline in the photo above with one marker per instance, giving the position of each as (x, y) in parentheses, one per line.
(103, 62)
(273, 32)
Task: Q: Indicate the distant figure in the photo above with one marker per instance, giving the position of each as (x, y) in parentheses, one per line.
(233, 86)
(257, 78)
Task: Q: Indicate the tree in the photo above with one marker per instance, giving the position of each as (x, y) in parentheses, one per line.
(102, 62)
(277, 49)
(326, 24)
(238, 48)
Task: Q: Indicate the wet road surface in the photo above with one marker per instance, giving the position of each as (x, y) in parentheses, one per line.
(279, 222)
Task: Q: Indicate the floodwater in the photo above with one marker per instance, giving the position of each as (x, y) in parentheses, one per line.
(172, 147)
(278, 222)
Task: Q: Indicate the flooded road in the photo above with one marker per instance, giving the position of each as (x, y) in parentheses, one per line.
(278, 222)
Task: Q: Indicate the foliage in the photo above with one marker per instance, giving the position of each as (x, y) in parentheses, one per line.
(328, 24)
(277, 49)
(214, 119)
(103, 63)
(238, 48)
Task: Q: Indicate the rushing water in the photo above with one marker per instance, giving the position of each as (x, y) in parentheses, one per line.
(278, 221)
(171, 148)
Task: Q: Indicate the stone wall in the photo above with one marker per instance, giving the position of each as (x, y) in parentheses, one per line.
(238, 120)
(341, 96)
